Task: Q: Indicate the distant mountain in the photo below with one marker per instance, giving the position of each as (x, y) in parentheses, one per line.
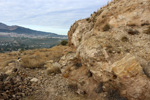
(22, 30)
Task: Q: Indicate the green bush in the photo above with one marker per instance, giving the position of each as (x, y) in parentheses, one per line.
(133, 32)
(147, 31)
(64, 42)
(124, 39)
(88, 19)
(106, 27)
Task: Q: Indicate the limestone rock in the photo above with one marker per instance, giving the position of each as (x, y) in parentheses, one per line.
(127, 67)
(34, 80)
(130, 75)
(66, 61)
(113, 49)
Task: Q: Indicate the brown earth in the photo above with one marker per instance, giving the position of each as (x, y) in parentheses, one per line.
(31, 82)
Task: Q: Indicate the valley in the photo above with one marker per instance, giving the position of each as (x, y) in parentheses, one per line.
(14, 38)
(8, 43)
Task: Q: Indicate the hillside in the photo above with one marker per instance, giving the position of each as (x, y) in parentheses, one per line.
(22, 30)
(107, 58)
(36, 76)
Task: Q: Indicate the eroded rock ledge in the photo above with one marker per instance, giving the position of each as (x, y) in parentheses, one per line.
(111, 60)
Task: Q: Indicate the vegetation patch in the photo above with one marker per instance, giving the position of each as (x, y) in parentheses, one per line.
(37, 58)
(99, 88)
(32, 62)
(114, 95)
(88, 20)
(73, 87)
(144, 24)
(79, 39)
(124, 39)
(64, 42)
(147, 31)
(89, 74)
(24, 43)
(106, 27)
(53, 70)
(133, 32)
(77, 63)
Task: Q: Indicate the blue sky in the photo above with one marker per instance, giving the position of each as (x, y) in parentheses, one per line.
(47, 15)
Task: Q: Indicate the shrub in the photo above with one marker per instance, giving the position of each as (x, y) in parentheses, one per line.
(124, 39)
(73, 87)
(88, 20)
(113, 94)
(79, 39)
(146, 23)
(89, 74)
(70, 52)
(64, 42)
(77, 63)
(99, 88)
(147, 31)
(29, 62)
(106, 27)
(133, 32)
(53, 70)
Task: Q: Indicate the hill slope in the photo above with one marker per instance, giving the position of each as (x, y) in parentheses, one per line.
(108, 59)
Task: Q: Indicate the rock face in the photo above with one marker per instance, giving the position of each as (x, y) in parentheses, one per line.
(112, 52)
(129, 74)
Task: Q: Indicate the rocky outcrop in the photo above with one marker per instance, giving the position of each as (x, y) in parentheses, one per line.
(14, 86)
(130, 79)
(112, 52)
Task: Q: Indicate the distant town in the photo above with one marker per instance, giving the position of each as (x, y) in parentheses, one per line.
(14, 42)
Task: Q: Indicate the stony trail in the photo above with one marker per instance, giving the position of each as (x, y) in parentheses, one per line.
(35, 84)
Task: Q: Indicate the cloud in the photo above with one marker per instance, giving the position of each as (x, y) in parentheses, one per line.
(57, 14)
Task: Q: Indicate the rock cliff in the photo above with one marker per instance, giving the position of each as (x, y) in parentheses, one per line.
(112, 52)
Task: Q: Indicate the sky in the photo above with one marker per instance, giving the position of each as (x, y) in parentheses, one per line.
(47, 15)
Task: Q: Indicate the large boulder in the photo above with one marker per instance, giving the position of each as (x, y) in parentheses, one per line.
(130, 79)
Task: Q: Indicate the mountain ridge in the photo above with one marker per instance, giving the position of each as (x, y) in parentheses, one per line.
(27, 31)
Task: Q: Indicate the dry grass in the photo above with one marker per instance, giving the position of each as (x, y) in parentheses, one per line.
(53, 70)
(6, 58)
(37, 58)
(147, 31)
(34, 58)
(32, 62)
(6, 63)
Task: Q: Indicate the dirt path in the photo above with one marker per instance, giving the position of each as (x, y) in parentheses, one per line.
(50, 87)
